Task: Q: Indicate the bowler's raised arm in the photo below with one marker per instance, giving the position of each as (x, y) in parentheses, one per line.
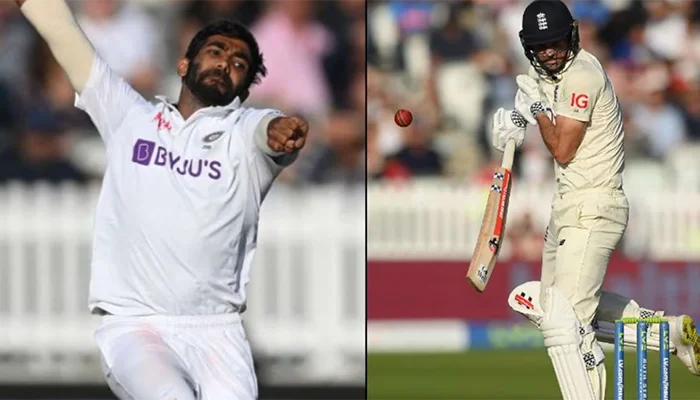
(69, 45)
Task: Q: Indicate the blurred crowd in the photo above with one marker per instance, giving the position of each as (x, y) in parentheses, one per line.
(314, 52)
(453, 63)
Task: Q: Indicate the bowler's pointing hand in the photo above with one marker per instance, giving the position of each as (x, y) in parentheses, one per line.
(287, 134)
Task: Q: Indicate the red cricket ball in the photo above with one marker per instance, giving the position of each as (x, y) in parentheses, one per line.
(403, 118)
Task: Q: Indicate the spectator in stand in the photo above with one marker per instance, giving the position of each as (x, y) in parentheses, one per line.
(294, 45)
(16, 38)
(205, 11)
(127, 38)
(39, 152)
(417, 157)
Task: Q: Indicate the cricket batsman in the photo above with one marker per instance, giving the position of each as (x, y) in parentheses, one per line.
(176, 223)
(568, 95)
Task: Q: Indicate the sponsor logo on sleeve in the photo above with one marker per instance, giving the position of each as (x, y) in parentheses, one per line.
(579, 101)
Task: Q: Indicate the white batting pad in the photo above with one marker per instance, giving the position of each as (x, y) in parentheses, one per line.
(612, 307)
(525, 300)
(562, 333)
(571, 373)
(605, 332)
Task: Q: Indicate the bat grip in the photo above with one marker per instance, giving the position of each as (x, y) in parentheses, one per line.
(508, 154)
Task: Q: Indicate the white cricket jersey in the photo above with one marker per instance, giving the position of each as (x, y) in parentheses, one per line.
(585, 93)
(176, 220)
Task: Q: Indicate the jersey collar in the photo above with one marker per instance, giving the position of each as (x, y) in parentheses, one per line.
(232, 106)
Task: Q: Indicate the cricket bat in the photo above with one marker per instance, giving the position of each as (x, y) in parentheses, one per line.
(493, 225)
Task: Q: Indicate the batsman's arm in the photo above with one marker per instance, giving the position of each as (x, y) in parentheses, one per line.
(574, 109)
(69, 45)
(563, 139)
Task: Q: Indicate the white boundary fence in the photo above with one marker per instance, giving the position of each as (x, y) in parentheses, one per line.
(441, 220)
(306, 296)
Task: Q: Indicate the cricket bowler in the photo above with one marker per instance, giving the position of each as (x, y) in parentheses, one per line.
(176, 223)
(568, 95)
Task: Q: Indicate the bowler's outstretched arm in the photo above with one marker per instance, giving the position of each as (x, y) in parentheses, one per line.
(69, 45)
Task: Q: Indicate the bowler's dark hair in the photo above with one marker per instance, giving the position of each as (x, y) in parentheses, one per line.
(234, 30)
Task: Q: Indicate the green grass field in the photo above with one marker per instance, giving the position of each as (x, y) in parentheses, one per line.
(526, 374)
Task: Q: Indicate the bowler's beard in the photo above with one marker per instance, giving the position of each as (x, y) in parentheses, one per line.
(210, 94)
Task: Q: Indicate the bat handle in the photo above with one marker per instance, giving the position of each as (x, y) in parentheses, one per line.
(508, 154)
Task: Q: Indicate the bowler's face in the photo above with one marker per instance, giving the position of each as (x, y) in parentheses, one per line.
(218, 73)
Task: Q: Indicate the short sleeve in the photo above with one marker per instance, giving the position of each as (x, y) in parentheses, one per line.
(580, 91)
(265, 167)
(107, 99)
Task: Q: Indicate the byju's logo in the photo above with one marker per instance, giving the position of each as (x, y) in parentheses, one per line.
(146, 152)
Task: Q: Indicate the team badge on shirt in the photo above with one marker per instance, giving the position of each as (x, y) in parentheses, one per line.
(213, 136)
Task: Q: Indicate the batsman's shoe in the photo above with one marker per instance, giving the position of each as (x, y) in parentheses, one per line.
(685, 339)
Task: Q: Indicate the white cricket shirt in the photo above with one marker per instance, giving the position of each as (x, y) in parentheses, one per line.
(585, 93)
(176, 220)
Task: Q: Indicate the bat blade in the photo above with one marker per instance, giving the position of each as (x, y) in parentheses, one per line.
(493, 225)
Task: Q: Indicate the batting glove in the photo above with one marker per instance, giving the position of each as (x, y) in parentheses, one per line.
(507, 125)
(529, 101)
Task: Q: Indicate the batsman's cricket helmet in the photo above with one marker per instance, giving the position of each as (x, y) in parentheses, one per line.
(548, 21)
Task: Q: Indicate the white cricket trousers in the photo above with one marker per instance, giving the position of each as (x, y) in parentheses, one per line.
(584, 229)
(177, 357)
